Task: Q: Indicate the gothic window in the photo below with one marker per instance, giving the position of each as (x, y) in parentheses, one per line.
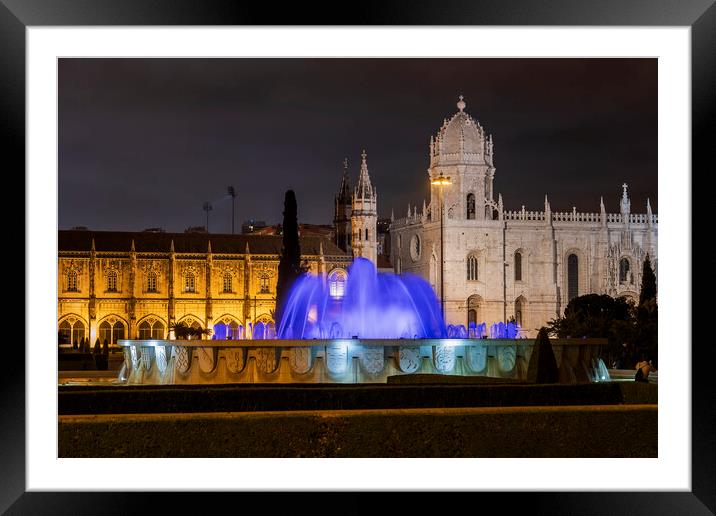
(572, 276)
(72, 281)
(189, 282)
(624, 275)
(474, 317)
(470, 206)
(264, 284)
(151, 329)
(471, 268)
(366, 234)
(227, 282)
(518, 266)
(71, 332)
(337, 284)
(111, 331)
(151, 281)
(112, 281)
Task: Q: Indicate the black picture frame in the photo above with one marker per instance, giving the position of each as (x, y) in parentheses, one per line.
(700, 15)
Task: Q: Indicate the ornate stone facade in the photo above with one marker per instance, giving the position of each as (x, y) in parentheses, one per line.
(356, 215)
(498, 263)
(135, 285)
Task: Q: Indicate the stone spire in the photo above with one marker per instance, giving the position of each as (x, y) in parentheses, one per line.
(93, 248)
(131, 249)
(625, 202)
(649, 215)
(208, 248)
(602, 212)
(364, 188)
(547, 210)
(344, 192)
(171, 246)
(392, 215)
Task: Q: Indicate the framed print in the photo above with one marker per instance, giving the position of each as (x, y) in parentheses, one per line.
(124, 115)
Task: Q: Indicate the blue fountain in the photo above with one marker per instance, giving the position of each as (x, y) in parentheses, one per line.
(375, 306)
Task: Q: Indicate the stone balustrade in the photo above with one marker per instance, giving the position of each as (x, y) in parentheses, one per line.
(346, 360)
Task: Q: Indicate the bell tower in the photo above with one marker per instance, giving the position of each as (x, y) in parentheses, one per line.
(364, 216)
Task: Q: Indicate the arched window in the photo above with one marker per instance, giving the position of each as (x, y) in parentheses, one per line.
(72, 281)
(471, 268)
(572, 276)
(337, 283)
(474, 317)
(112, 281)
(227, 282)
(520, 308)
(264, 284)
(111, 330)
(366, 234)
(151, 281)
(470, 206)
(151, 329)
(189, 282)
(71, 331)
(518, 266)
(624, 275)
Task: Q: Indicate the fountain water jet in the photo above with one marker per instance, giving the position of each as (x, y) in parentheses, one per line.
(375, 305)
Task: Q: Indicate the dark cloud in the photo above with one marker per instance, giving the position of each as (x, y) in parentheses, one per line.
(144, 142)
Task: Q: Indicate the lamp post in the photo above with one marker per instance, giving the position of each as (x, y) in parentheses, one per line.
(232, 194)
(440, 182)
(207, 208)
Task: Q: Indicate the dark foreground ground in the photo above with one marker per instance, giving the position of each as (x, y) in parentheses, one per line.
(418, 420)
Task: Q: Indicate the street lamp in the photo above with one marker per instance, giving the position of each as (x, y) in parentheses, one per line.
(232, 194)
(440, 182)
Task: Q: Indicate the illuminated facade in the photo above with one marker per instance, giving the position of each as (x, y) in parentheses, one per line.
(525, 264)
(114, 285)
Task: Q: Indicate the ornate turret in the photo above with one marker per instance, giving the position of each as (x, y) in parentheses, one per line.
(342, 213)
(364, 215)
(625, 205)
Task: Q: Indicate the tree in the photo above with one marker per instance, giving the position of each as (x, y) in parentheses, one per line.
(97, 348)
(599, 316)
(182, 331)
(543, 365)
(289, 266)
(105, 347)
(648, 282)
(646, 338)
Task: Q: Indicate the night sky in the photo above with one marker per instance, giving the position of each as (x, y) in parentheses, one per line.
(144, 142)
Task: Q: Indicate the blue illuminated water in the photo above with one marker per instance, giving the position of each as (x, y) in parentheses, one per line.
(375, 305)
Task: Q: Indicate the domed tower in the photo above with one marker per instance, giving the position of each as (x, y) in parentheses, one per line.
(462, 150)
(342, 216)
(364, 216)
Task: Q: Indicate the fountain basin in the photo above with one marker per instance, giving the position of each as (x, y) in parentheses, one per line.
(159, 362)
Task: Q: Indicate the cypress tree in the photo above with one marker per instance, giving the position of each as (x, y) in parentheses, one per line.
(289, 266)
(543, 365)
(648, 282)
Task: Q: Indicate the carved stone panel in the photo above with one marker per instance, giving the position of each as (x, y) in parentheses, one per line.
(300, 360)
(134, 355)
(182, 358)
(506, 357)
(266, 360)
(207, 359)
(409, 358)
(372, 359)
(235, 359)
(337, 358)
(160, 357)
(444, 358)
(476, 358)
(146, 358)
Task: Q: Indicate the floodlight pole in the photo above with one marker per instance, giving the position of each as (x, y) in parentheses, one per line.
(441, 181)
(232, 193)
